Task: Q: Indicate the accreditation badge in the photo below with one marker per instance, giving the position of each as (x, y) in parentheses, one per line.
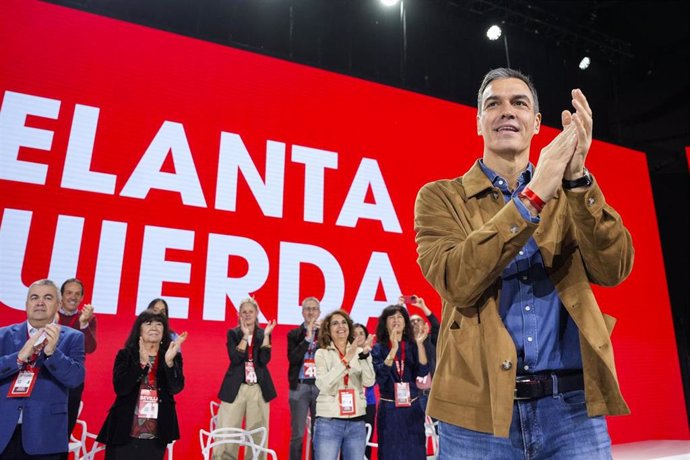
(346, 401)
(402, 394)
(309, 368)
(23, 384)
(148, 404)
(249, 372)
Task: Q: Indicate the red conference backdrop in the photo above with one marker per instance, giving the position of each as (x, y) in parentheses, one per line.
(149, 164)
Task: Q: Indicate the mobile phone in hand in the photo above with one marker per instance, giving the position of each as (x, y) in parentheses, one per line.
(410, 299)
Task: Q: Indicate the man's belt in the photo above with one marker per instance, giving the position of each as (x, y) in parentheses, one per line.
(540, 385)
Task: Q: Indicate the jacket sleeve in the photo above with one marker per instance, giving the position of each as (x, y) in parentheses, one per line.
(127, 372)
(329, 372)
(264, 354)
(435, 329)
(384, 374)
(297, 347)
(459, 262)
(90, 343)
(604, 242)
(235, 355)
(66, 364)
(368, 373)
(173, 375)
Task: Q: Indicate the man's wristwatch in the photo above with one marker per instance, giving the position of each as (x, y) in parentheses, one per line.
(584, 181)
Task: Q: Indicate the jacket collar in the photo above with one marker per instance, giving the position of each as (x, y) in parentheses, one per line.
(475, 181)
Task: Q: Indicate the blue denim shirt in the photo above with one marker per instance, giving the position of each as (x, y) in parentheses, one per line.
(545, 335)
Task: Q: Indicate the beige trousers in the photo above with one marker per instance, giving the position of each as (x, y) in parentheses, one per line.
(250, 406)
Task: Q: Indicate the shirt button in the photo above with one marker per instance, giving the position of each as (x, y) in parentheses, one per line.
(506, 365)
(529, 339)
(591, 201)
(522, 253)
(527, 308)
(500, 182)
(524, 278)
(526, 368)
(514, 229)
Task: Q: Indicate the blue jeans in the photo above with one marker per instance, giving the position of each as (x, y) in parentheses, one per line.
(332, 435)
(553, 427)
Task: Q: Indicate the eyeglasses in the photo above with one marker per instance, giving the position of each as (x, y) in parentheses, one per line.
(311, 308)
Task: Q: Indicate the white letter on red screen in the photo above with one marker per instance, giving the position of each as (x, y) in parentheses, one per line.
(14, 134)
(111, 252)
(354, 208)
(379, 268)
(315, 162)
(221, 250)
(14, 234)
(66, 248)
(234, 157)
(291, 256)
(77, 174)
(147, 175)
(155, 269)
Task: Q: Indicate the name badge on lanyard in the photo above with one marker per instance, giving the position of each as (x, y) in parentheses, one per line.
(402, 394)
(24, 383)
(249, 370)
(148, 403)
(309, 368)
(346, 401)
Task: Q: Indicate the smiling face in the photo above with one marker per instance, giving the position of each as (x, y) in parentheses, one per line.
(152, 331)
(310, 310)
(41, 304)
(339, 329)
(71, 296)
(506, 119)
(417, 324)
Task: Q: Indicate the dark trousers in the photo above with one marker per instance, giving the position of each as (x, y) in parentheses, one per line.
(136, 449)
(15, 449)
(73, 401)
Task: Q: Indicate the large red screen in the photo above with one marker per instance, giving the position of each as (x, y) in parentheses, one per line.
(149, 164)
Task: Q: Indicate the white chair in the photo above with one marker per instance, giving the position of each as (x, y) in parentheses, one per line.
(431, 432)
(224, 436)
(370, 433)
(213, 421)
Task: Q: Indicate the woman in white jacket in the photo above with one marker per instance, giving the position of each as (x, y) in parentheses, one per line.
(343, 369)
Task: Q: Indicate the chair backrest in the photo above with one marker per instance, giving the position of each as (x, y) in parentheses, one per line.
(238, 436)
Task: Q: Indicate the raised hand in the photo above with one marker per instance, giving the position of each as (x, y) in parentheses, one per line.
(181, 339)
(269, 327)
(27, 349)
(582, 118)
(52, 331)
(143, 354)
(86, 315)
(244, 328)
(173, 350)
(423, 333)
(368, 343)
(553, 159)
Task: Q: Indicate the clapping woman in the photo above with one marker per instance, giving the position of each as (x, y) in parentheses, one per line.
(399, 358)
(343, 369)
(247, 386)
(146, 375)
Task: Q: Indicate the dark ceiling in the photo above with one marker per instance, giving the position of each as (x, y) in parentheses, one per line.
(638, 82)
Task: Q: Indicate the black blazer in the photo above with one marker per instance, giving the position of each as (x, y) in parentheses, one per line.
(234, 377)
(296, 348)
(127, 376)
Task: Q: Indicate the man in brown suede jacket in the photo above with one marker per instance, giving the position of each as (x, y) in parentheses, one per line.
(525, 365)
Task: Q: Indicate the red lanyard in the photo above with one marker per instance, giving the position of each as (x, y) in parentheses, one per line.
(346, 379)
(400, 365)
(153, 372)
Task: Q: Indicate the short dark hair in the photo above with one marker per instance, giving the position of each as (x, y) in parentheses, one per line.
(72, 280)
(381, 329)
(165, 305)
(325, 338)
(356, 325)
(503, 73)
(145, 316)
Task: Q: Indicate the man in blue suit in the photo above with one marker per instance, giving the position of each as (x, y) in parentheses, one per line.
(39, 362)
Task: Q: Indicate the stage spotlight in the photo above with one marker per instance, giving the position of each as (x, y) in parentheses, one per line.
(389, 2)
(585, 62)
(494, 32)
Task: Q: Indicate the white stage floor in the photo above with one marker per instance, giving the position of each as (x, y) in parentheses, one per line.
(648, 450)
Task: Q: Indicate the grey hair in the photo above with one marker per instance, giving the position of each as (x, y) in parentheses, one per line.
(251, 301)
(503, 73)
(44, 282)
(311, 299)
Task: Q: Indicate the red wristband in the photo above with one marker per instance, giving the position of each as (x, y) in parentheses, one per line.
(533, 198)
